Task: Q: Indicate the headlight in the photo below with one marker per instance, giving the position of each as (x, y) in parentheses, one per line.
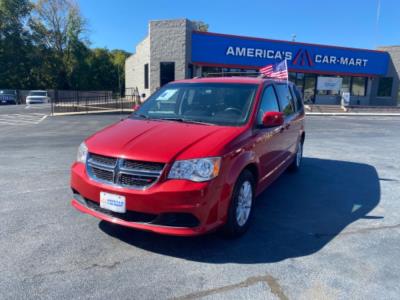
(82, 153)
(199, 170)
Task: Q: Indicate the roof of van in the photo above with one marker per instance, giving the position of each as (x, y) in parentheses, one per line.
(232, 79)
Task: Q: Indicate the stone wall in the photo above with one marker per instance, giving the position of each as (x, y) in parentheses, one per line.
(168, 41)
(134, 68)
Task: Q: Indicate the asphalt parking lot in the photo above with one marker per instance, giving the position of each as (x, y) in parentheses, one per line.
(330, 231)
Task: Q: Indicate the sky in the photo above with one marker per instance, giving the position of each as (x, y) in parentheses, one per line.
(121, 24)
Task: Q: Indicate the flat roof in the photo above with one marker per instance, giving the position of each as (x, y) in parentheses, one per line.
(285, 41)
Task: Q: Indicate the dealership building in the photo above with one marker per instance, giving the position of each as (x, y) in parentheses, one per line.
(176, 49)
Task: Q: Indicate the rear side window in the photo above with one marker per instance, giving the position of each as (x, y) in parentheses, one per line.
(298, 98)
(285, 99)
(269, 102)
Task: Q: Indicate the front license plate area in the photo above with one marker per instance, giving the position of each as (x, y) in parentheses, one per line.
(113, 202)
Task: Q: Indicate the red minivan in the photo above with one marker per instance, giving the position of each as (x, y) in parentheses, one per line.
(193, 157)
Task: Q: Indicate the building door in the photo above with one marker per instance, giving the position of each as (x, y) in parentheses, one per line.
(167, 72)
(310, 82)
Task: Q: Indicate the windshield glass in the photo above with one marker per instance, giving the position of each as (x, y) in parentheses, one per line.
(44, 94)
(7, 92)
(213, 103)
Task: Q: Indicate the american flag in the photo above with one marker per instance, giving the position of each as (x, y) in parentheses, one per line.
(278, 71)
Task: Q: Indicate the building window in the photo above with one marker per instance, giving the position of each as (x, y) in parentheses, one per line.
(292, 77)
(146, 76)
(398, 96)
(346, 84)
(218, 71)
(167, 72)
(209, 71)
(385, 86)
(310, 85)
(329, 92)
(359, 86)
(300, 81)
(251, 71)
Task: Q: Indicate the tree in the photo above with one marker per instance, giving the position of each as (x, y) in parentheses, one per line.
(118, 58)
(58, 25)
(43, 45)
(201, 26)
(14, 44)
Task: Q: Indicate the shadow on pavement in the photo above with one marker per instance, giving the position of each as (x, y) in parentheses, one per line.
(296, 216)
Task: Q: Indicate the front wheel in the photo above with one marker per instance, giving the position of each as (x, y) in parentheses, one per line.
(241, 206)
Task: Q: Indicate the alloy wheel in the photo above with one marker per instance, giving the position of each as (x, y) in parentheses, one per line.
(245, 199)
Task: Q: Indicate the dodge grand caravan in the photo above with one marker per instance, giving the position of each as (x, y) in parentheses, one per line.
(193, 157)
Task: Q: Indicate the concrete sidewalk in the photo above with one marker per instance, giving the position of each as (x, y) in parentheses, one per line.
(376, 114)
(338, 110)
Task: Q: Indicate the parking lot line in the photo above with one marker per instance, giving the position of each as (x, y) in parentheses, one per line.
(22, 119)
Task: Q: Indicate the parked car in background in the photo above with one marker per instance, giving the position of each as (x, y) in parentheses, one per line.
(193, 157)
(8, 97)
(35, 97)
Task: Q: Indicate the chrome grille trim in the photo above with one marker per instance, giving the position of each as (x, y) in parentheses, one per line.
(147, 173)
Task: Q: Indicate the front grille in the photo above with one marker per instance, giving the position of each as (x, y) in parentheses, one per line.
(148, 166)
(127, 179)
(126, 173)
(110, 161)
(103, 174)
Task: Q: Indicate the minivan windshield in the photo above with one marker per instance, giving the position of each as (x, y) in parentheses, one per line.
(208, 103)
(7, 92)
(38, 93)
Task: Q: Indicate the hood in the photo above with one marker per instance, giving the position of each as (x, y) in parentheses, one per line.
(37, 97)
(160, 141)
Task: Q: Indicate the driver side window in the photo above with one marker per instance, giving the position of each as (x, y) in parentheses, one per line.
(269, 102)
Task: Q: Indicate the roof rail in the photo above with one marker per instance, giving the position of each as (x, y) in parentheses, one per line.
(227, 74)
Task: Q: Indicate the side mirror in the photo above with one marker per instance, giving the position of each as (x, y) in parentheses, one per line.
(272, 119)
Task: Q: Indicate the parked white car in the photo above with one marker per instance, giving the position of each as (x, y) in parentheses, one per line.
(37, 97)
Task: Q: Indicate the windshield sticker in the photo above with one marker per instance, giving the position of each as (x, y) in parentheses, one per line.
(167, 95)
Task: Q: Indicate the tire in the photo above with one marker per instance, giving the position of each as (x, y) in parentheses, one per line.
(296, 164)
(239, 217)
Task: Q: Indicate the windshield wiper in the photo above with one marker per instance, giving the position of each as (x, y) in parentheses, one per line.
(141, 116)
(186, 121)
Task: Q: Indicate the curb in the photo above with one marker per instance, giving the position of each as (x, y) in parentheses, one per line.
(354, 114)
(127, 111)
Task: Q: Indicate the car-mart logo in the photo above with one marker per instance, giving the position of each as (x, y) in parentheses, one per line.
(303, 57)
(340, 60)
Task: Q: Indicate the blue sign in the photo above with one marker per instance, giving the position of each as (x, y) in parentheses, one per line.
(233, 51)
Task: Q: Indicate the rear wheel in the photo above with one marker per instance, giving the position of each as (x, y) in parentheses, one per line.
(295, 165)
(241, 206)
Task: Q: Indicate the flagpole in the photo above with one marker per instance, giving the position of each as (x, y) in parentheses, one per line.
(287, 73)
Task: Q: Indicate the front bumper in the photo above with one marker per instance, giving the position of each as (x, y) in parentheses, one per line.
(201, 201)
(7, 102)
(35, 101)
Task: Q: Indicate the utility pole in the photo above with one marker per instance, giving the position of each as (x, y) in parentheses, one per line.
(378, 15)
